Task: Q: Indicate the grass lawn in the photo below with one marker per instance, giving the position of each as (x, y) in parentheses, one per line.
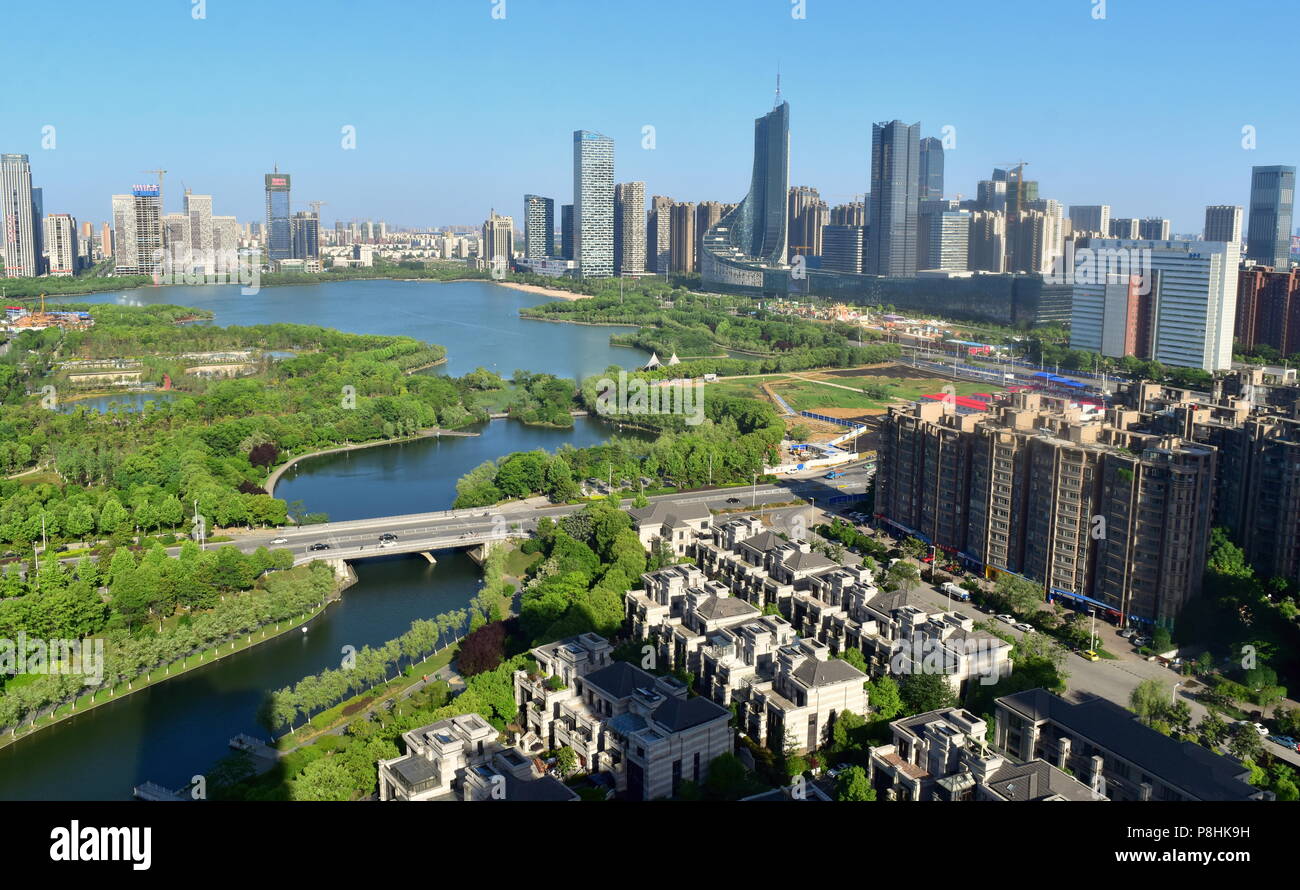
(518, 562)
(807, 396)
(745, 388)
(497, 400)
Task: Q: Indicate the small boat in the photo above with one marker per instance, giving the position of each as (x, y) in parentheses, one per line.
(304, 628)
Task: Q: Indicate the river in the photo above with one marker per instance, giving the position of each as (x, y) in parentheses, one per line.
(175, 730)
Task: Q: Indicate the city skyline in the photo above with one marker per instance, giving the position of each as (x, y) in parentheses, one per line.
(393, 171)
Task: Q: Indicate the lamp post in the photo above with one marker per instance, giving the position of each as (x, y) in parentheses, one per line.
(1173, 694)
(1092, 630)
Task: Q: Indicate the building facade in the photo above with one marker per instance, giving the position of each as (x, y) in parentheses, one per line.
(593, 204)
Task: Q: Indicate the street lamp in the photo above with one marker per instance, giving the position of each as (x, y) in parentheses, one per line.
(1092, 630)
(1173, 694)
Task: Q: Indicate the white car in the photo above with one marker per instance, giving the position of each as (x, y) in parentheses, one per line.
(280, 540)
(1006, 618)
(1024, 627)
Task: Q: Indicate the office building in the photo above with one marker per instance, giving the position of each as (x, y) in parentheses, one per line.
(565, 247)
(21, 243)
(1223, 223)
(61, 244)
(1124, 229)
(1272, 201)
(659, 249)
(306, 236)
(891, 235)
(682, 239)
(498, 246)
(947, 241)
(1191, 284)
(991, 195)
(629, 227)
(842, 248)
(1154, 229)
(539, 227)
(930, 169)
(593, 204)
(278, 243)
(753, 236)
(1091, 219)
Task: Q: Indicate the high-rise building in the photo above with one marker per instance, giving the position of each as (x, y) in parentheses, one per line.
(682, 237)
(842, 248)
(807, 216)
(1272, 201)
(38, 227)
(225, 242)
(1091, 219)
(1016, 489)
(279, 226)
(176, 241)
(1153, 228)
(947, 241)
(991, 195)
(1191, 285)
(930, 170)
(199, 210)
(539, 227)
(498, 240)
(17, 213)
(707, 215)
(753, 236)
(659, 245)
(593, 204)
(629, 227)
(106, 241)
(1223, 223)
(987, 249)
(137, 226)
(851, 214)
(306, 235)
(925, 215)
(1020, 193)
(1124, 229)
(61, 244)
(1268, 308)
(891, 236)
(566, 232)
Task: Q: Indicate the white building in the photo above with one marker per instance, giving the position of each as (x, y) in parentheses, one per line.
(21, 241)
(61, 244)
(1191, 289)
(629, 204)
(593, 204)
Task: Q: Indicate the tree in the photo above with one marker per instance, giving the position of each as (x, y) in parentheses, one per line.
(566, 760)
(1020, 595)
(923, 692)
(883, 698)
(482, 650)
(1244, 743)
(727, 778)
(852, 784)
(1149, 700)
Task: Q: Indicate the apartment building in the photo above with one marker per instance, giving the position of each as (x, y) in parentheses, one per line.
(1058, 493)
(641, 729)
(1110, 750)
(943, 755)
(677, 525)
(461, 758)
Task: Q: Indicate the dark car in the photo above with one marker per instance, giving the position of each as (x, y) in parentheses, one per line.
(733, 500)
(319, 545)
(386, 537)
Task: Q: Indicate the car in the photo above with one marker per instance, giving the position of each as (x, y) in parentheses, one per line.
(1024, 627)
(1258, 727)
(280, 540)
(387, 538)
(1090, 654)
(1126, 633)
(733, 500)
(1284, 740)
(319, 545)
(834, 771)
(1007, 618)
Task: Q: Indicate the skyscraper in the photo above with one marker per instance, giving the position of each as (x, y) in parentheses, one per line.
(930, 177)
(629, 227)
(808, 215)
(593, 204)
(842, 248)
(659, 248)
(1124, 228)
(852, 214)
(306, 236)
(1223, 223)
(1154, 228)
(987, 247)
(106, 241)
(38, 227)
(498, 240)
(225, 242)
(138, 234)
(1092, 219)
(1272, 200)
(199, 210)
(566, 232)
(17, 215)
(279, 228)
(891, 238)
(707, 215)
(683, 238)
(539, 227)
(61, 243)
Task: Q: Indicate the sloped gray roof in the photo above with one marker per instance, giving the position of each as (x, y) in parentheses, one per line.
(677, 714)
(715, 607)
(800, 561)
(619, 680)
(815, 672)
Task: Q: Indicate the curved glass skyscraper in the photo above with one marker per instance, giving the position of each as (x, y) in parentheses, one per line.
(751, 239)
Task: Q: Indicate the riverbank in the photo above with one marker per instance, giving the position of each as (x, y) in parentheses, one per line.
(279, 471)
(543, 291)
(87, 702)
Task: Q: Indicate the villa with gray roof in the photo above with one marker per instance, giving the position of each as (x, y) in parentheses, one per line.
(677, 525)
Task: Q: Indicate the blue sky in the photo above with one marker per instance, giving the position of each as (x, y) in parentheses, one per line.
(456, 112)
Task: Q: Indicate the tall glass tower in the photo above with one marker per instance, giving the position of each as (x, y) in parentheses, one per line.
(18, 216)
(539, 227)
(279, 225)
(895, 176)
(931, 175)
(756, 230)
(1272, 201)
(593, 204)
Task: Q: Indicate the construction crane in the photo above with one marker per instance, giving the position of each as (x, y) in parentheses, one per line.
(316, 206)
(160, 174)
(1019, 168)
